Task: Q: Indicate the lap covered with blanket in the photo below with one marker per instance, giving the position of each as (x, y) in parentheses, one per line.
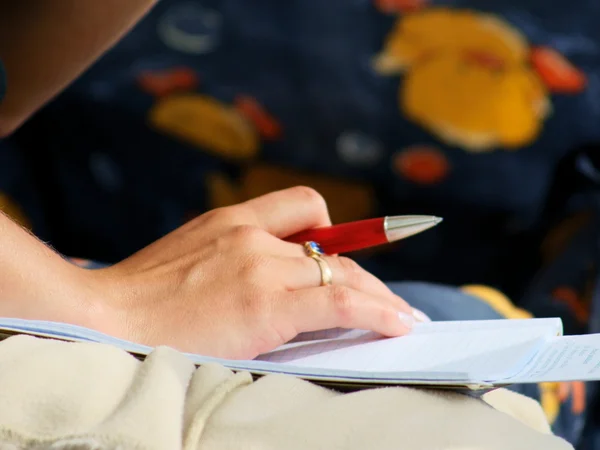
(88, 396)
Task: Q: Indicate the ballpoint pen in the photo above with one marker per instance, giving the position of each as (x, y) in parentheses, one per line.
(352, 236)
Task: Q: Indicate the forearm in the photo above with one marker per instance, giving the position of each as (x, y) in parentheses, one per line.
(37, 283)
(44, 45)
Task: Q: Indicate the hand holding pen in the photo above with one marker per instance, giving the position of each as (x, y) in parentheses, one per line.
(228, 283)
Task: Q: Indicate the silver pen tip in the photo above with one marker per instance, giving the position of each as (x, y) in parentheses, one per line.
(401, 227)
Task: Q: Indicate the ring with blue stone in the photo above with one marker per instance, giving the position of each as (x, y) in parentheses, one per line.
(315, 251)
(312, 248)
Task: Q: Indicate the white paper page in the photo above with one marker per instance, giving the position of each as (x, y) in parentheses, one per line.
(424, 354)
(568, 358)
(482, 352)
(554, 326)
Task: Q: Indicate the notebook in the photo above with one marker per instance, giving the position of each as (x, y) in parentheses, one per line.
(472, 355)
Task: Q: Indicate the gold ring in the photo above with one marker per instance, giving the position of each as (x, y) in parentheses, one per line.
(314, 251)
(326, 275)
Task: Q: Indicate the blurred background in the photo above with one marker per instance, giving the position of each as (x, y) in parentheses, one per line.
(487, 117)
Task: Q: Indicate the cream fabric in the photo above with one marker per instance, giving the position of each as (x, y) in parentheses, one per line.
(57, 395)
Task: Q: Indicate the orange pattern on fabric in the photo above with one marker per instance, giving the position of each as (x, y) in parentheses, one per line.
(557, 240)
(574, 302)
(165, 82)
(558, 74)
(267, 125)
(422, 165)
(395, 6)
(577, 392)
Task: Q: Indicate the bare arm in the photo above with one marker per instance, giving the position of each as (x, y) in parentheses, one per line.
(45, 44)
(37, 283)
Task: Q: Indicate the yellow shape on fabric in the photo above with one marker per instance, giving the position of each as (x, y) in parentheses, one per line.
(467, 79)
(497, 301)
(470, 106)
(208, 123)
(347, 200)
(550, 400)
(439, 30)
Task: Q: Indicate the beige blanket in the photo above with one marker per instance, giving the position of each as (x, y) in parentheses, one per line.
(57, 395)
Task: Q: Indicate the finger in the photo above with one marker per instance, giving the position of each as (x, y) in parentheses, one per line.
(304, 272)
(283, 213)
(278, 248)
(339, 306)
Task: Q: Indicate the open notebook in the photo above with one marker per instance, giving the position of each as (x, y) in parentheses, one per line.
(478, 355)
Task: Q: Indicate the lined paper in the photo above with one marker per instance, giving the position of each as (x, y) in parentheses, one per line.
(564, 359)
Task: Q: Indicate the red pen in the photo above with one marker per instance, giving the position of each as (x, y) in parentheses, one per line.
(352, 236)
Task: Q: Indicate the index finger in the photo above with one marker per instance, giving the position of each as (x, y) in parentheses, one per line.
(286, 212)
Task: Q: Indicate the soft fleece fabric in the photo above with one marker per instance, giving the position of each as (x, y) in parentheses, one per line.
(62, 395)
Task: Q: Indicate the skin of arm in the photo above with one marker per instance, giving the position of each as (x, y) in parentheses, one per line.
(44, 45)
(28, 285)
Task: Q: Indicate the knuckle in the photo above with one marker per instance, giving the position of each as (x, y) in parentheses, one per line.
(358, 278)
(311, 194)
(239, 239)
(230, 215)
(213, 215)
(349, 265)
(342, 300)
(246, 235)
(353, 273)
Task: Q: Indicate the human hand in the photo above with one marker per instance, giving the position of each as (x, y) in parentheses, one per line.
(225, 284)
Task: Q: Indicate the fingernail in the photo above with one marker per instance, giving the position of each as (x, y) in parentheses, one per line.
(420, 316)
(406, 319)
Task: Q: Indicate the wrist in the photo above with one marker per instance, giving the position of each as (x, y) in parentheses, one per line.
(99, 300)
(125, 296)
(37, 283)
(55, 290)
(87, 302)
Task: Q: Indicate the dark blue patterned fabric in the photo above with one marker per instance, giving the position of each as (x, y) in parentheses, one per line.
(309, 65)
